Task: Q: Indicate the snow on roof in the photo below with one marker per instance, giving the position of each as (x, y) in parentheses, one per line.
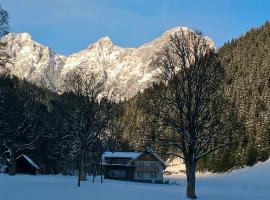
(30, 161)
(132, 155)
(109, 154)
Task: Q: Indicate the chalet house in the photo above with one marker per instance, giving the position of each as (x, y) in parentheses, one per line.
(133, 166)
(25, 165)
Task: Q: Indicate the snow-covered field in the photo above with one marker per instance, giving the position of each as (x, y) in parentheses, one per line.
(249, 183)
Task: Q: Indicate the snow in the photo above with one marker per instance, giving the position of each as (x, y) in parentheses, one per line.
(132, 155)
(249, 184)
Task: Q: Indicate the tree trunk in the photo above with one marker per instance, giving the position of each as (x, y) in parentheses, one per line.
(94, 176)
(12, 164)
(79, 176)
(65, 167)
(82, 173)
(101, 178)
(101, 172)
(190, 170)
(82, 166)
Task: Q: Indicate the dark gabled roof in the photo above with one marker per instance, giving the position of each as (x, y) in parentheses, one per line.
(29, 160)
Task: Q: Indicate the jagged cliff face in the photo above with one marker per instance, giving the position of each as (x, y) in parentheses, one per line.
(127, 70)
(33, 61)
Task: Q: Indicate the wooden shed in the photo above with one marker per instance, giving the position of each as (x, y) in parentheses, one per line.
(25, 165)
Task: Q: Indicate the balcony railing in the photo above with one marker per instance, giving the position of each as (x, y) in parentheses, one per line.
(146, 169)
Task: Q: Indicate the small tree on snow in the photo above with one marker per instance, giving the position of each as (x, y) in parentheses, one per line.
(88, 112)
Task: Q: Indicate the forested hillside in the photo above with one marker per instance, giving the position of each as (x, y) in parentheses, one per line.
(247, 64)
(246, 61)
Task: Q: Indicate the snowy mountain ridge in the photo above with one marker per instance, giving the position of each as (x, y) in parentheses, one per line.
(127, 69)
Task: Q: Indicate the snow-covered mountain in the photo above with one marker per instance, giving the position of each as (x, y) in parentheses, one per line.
(127, 69)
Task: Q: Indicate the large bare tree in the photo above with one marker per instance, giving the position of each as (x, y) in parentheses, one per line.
(189, 102)
(89, 112)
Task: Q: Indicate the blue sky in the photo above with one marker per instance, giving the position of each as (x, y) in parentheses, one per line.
(68, 26)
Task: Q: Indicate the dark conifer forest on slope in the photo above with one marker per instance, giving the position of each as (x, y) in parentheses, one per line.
(246, 61)
(42, 124)
(247, 64)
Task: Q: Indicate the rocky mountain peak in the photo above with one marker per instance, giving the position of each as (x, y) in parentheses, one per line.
(24, 36)
(104, 40)
(18, 36)
(126, 70)
(176, 30)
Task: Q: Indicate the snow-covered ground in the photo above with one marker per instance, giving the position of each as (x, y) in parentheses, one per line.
(249, 183)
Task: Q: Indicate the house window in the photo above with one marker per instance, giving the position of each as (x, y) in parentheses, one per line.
(141, 164)
(140, 174)
(117, 173)
(119, 161)
(154, 175)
